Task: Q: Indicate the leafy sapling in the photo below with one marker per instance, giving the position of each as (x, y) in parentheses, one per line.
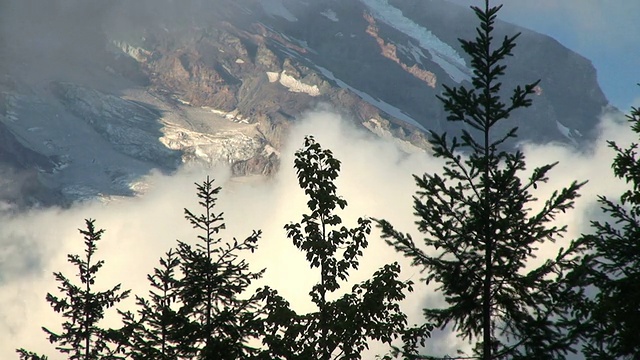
(341, 328)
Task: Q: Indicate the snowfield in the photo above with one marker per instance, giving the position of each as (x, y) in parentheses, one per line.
(441, 53)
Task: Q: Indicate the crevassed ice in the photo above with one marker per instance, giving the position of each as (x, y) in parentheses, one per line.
(441, 53)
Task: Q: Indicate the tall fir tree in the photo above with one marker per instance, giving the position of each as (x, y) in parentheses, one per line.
(83, 307)
(341, 328)
(221, 318)
(480, 231)
(198, 307)
(611, 318)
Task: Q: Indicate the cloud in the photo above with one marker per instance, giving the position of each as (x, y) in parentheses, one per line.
(140, 230)
(375, 180)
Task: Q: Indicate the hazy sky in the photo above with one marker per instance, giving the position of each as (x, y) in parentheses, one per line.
(604, 31)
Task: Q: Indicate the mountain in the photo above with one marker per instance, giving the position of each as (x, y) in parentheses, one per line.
(95, 94)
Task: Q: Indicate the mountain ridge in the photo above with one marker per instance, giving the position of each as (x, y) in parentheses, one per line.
(222, 81)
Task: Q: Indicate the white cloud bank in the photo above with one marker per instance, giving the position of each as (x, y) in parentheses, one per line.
(375, 180)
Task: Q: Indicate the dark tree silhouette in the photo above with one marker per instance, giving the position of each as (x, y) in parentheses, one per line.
(339, 329)
(214, 280)
(480, 231)
(198, 308)
(156, 334)
(82, 307)
(612, 318)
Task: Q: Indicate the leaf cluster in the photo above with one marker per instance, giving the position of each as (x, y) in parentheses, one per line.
(339, 329)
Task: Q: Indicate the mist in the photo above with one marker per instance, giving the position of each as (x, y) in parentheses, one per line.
(375, 180)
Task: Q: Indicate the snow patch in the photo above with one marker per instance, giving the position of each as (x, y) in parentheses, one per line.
(181, 101)
(567, 132)
(441, 53)
(293, 84)
(9, 107)
(375, 126)
(273, 76)
(296, 85)
(412, 50)
(330, 14)
(277, 8)
(137, 53)
(233, 116)
(303, 43)
(80, 193)
(12, 116)
(270, 150)
(242, 8)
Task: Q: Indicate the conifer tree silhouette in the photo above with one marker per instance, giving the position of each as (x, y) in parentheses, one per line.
(480, 231)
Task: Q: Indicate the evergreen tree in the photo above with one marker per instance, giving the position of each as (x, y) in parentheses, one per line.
(612, 317)
(218, 322)
(82, 307)
(339, 329)
(156, 334)
(197, 307)
(480, 231)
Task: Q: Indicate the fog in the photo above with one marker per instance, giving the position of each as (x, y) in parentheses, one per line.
(375, 180)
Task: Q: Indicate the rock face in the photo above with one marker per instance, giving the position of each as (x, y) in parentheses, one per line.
(125, 87)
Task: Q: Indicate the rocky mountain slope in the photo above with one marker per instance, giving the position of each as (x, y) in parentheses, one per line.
(94, 94)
